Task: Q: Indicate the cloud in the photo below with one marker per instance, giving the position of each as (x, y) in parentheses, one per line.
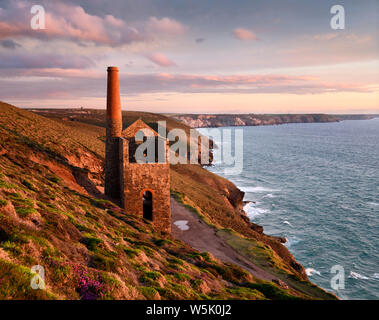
(165, 25)
(25, 60)
(199, 40)
(326, 36)
(343, 37)
(244, 34)
(67, 22)
(250, 84)
(73, 23)
(9, 44)
(161, 60)
(72, 84)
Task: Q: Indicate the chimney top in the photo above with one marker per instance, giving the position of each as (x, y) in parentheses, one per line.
(112, 68)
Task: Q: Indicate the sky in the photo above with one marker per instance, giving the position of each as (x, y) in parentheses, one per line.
(193, 56)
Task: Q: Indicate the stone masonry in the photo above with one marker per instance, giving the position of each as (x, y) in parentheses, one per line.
(126, 180)
(113, 133)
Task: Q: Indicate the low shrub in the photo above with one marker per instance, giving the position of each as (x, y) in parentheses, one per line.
(90, 284)
(271, 291)
(15, 283)
(28, 184)
(91, 242)
(11, 247)
(99, 261)
(148, 292)
(182, 276)
(131, 253)
(25, 211)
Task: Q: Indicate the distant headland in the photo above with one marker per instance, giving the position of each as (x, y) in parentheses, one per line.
(231, 120)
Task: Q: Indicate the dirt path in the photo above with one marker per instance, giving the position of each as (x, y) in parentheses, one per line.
(186, 226)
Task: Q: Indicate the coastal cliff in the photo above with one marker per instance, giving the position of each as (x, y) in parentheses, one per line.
(53, 213)
(230, 120)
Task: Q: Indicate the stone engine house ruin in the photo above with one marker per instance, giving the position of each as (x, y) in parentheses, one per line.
(141, 188)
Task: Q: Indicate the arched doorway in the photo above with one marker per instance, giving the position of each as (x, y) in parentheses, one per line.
(147, 201)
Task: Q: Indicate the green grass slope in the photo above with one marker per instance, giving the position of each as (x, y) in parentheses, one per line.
(89, 247)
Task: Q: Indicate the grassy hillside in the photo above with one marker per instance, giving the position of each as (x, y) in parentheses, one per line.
(97, 117)
(53, 213)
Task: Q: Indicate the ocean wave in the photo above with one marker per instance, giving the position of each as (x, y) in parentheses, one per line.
(375, 275)
(356, 275)
(257, 189)
(269, 195)
(310, 272)
(291, 241)
(252, 211)
(374, 204)
(287, 222)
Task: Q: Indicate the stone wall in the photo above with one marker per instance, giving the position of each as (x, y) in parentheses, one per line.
(113, 132)
(138, 178)
(112, 168)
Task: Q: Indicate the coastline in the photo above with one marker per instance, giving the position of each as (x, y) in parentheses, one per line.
(282, 212)
(281, 241)
(243, 120)
(209, 200)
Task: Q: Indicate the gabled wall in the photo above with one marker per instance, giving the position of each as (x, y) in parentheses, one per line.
(136, 178)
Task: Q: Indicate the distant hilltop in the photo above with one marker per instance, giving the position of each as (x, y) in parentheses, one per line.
(96, 116)
(229, 120)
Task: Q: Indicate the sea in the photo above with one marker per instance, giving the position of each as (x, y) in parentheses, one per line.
(317, 185)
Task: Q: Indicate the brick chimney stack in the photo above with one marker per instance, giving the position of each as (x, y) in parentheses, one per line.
(113, 132)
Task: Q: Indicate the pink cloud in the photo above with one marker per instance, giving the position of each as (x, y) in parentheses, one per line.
(57, 72)
(25, 60)
(269, 83)
(335, 49)
(161, 60)
(165, 25)
(244, 34)
(343, 37)
(73, 84)
(72, 22)
(114, 21)
(326, 36)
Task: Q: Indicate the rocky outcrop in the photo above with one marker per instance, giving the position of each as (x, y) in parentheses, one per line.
(230, 120)
(237, 120)
(234, 198)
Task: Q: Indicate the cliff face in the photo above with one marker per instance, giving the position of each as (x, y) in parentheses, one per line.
(229, 120)
(52, 213)
(89, 247)
(193, 184)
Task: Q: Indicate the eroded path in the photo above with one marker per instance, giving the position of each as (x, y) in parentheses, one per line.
(189, 228)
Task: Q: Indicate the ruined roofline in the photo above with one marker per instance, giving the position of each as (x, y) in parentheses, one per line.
(131, 131)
